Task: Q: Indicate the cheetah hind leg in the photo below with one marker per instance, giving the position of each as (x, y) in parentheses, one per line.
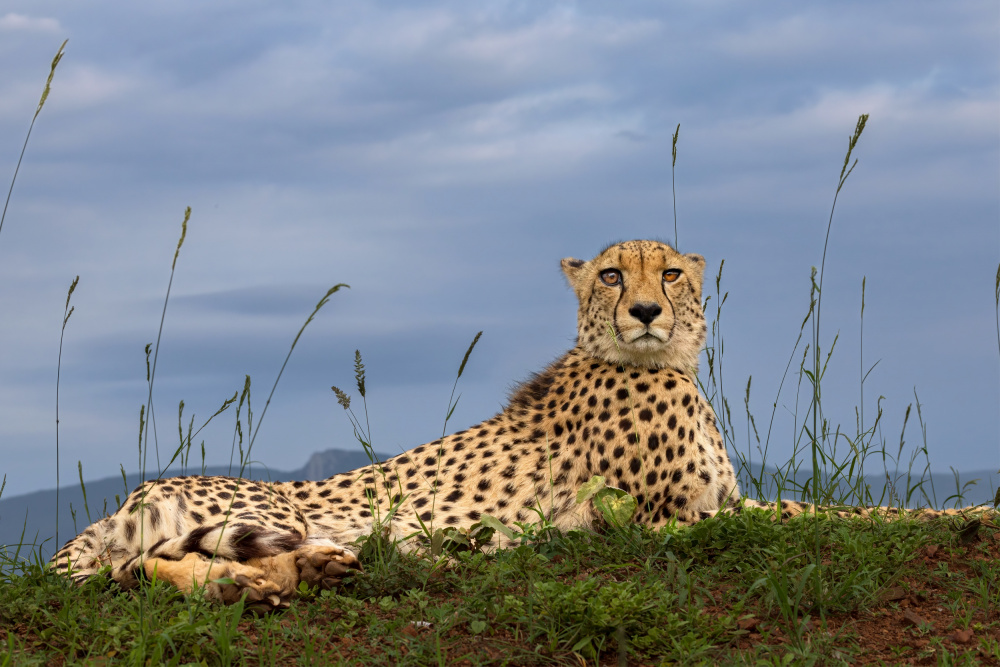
(223, 580)
(786, 510)
(268, 582)
(790, 508)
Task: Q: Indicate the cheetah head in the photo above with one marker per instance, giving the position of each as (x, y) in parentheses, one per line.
(640, 305)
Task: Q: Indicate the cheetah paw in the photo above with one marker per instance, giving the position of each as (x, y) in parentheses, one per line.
(325, 566)
(262, 596)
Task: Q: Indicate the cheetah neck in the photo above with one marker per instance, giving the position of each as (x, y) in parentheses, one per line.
(578, 363)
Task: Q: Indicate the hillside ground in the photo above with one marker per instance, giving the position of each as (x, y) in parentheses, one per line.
(732, 590)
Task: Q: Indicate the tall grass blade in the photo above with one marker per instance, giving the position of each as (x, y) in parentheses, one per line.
(673, 186)
(861, 360)
(997, 305)
(359, 379)
(238, 431)
(452, 403)
(38, 110)
(817, 369)
(67, 312)
(185, 440)
(322, 302)
(83, 488)
(151, 372)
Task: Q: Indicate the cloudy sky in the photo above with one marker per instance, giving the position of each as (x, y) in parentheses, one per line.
(441, 158)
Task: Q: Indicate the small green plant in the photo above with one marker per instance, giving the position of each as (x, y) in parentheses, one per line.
(788, 589)
(590, 618)
(616, 506)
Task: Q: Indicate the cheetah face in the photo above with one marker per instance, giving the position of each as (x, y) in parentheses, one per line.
(640, 305)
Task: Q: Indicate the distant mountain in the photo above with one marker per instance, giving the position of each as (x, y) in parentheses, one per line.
(34, 513)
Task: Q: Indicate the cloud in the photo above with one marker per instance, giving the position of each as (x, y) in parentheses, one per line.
(19, 22)
(83, 86)
(441, 159)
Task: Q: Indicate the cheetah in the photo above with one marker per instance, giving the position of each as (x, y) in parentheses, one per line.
(623, 404)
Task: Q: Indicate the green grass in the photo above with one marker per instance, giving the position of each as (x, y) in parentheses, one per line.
(727, 591)
(730, 590)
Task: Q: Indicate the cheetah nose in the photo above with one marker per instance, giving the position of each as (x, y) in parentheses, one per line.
(645, 312)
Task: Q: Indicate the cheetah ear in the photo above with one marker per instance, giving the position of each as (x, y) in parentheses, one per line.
(697, 259)
(574, 270)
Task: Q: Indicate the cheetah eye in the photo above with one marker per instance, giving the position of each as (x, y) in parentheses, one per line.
(671, 275)
(611, 277)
